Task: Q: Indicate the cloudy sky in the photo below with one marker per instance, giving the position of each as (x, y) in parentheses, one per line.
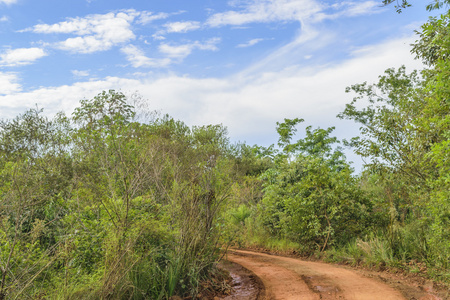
(244, 63)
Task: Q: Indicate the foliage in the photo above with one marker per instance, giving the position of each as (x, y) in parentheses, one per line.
(310, 196)
(109, 205)
(402, 4)
(34, 177)
(102, 206)
(404, 134)
(389, 136)
(396, 213)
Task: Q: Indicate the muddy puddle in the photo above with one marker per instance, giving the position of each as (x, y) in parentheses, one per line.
(245, 285)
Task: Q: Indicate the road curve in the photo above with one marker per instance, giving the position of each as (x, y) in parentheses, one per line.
(287, 278)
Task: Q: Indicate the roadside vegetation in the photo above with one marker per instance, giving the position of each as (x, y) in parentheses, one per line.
(114, 202)
(396, 213)
(101, 206)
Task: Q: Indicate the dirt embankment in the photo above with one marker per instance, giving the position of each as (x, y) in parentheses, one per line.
(290, 278)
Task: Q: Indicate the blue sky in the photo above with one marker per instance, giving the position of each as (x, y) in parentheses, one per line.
(243, 63)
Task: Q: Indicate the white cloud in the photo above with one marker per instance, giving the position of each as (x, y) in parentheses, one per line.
(158, 35)
(308, 41)
(148, 17)
(8, 83)
(4, 19)
(362, 8)
(308, 13)
(138, 59)
(86, 44)
(94, 32)
(181, 51)
(65, 98)
(249, 105)
(8, 2)
(267, 11)
(181, 26)
(250, 43)
(264, 11)
(20, 56)
(352, 9)
(80, 73)
(92, 24)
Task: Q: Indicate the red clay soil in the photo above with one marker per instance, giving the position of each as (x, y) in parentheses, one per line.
(290, 278)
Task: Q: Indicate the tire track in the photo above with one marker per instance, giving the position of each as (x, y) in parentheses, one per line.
(287, 278)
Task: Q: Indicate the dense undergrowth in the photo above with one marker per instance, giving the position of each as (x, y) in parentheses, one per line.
(113, 203)
(101, 206)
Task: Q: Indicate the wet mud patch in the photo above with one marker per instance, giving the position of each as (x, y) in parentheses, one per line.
(245, 284)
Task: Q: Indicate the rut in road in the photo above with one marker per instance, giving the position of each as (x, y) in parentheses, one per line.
(289, 278)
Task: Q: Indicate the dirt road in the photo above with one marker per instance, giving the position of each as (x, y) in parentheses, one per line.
(289, 278)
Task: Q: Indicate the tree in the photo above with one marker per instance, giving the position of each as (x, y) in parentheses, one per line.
(310, 196)
(286, 130)
(404, 134)
(402, 4)
(35, 174)
(390, 136)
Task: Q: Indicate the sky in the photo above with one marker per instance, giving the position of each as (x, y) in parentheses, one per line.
(243, 63)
